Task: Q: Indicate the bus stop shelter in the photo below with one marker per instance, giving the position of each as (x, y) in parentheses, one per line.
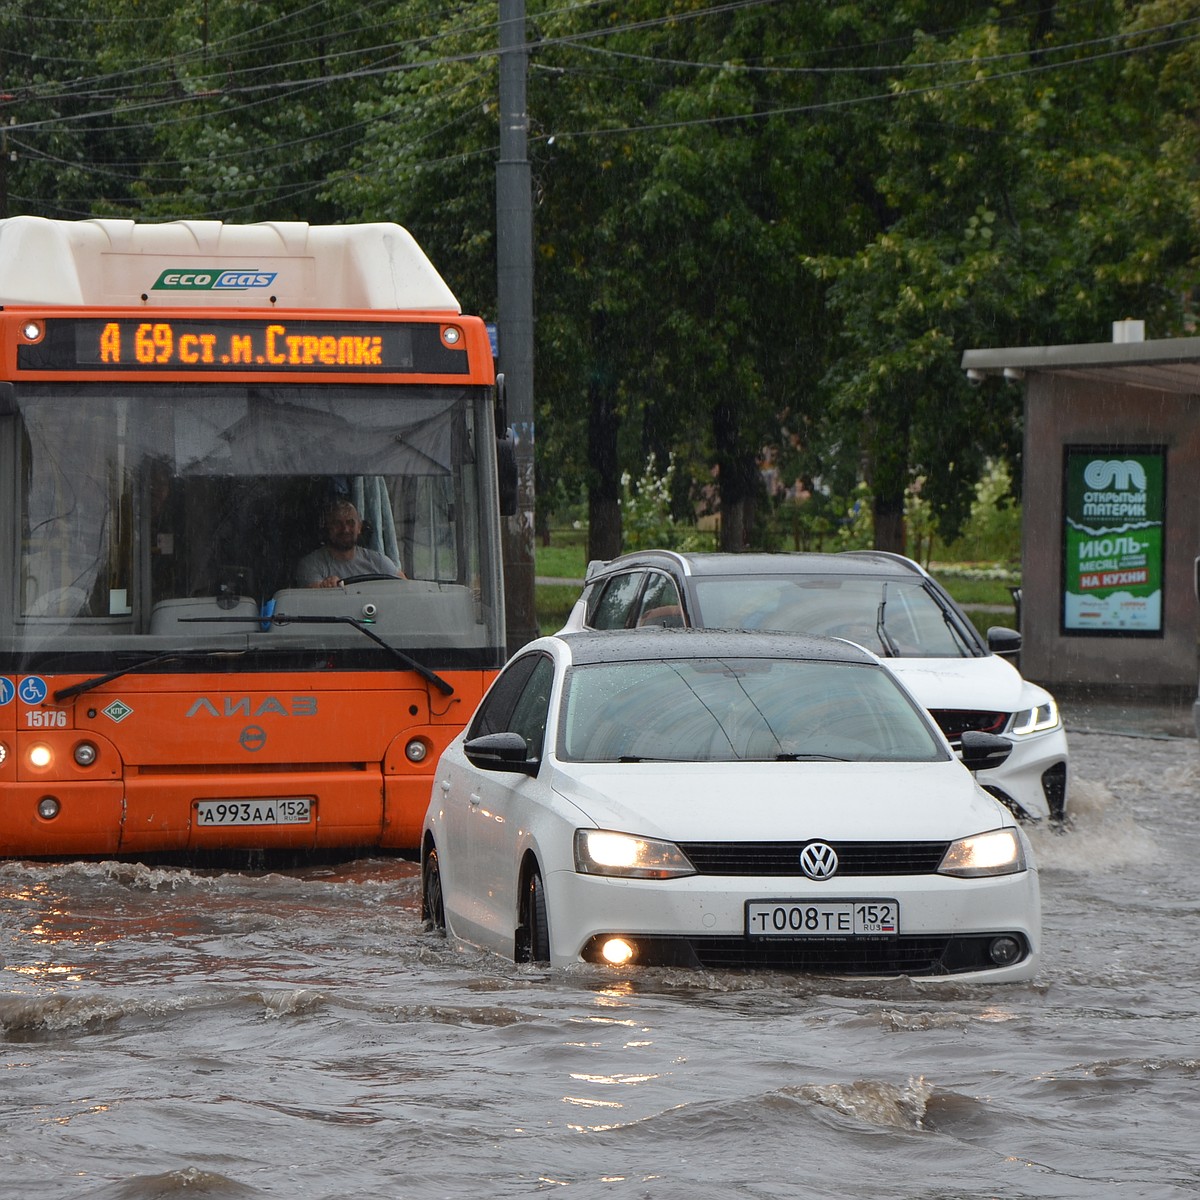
(1110, 508)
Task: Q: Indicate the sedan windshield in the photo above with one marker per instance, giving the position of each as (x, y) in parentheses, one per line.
(726, 710)
(892, 618)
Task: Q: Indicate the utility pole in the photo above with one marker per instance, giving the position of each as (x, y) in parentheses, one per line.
(514, 323)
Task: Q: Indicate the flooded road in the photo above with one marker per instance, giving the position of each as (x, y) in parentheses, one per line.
(208, 1034)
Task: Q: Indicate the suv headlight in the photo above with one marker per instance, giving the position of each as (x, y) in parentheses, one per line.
(603, 852)
(998, 852)
(1036, 720)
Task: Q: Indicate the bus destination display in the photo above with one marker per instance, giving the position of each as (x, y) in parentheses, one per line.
(279, 345)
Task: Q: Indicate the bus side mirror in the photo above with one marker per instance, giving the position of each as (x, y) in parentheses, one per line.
(506, 473)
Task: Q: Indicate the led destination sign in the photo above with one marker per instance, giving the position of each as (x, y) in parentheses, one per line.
(355, 347)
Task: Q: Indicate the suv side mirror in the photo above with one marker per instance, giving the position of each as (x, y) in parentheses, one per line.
(1001, 640)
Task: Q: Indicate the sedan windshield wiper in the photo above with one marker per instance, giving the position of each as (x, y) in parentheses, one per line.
(278, 618)
(77, 689)
(810, 758)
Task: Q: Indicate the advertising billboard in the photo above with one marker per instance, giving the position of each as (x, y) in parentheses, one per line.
(1113, 521)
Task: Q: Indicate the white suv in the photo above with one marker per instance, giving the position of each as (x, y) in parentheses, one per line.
(885, 602)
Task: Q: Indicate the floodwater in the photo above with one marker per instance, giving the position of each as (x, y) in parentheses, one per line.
(209, 1034)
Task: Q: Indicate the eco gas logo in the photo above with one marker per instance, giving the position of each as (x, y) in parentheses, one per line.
(178, 279)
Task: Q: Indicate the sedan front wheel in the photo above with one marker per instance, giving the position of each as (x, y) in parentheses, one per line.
(533, 936)
(433, 911)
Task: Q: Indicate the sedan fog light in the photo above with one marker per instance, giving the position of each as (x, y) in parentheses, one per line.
(40, 756)
(616, 951)
(1004, 950)
(86, 754)
(48, 808)
(416, 751)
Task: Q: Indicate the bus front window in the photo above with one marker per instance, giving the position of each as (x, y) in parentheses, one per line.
(139, 504)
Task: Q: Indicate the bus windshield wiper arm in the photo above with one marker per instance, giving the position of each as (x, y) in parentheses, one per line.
(278, 618)
(77, 689)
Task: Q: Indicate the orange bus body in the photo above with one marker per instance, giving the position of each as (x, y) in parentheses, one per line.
(168, 684)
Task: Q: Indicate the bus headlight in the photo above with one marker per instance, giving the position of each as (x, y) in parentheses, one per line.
(40, 756)
(48, 808)
(416, 751)
(86, 754)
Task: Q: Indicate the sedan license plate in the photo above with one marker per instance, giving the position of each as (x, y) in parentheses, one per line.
(822, 918)
(263, 810)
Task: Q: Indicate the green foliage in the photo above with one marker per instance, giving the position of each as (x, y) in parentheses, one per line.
(647, 522)
(763, 229)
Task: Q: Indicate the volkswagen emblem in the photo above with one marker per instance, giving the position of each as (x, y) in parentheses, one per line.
(819, 860)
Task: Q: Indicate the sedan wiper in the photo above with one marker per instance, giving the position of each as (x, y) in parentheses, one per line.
(810, 758)
(87, 685)
(278, 618)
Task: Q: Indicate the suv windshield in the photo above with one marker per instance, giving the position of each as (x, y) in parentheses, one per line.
(726, 710)
(892, 617)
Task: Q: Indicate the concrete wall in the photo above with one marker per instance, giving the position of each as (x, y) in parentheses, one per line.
(1061, 411)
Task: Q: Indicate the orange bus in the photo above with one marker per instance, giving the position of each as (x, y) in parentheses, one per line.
(182, 408)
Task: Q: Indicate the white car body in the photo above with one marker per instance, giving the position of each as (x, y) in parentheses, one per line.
(954, 687)
(486, 828)
(992, 683)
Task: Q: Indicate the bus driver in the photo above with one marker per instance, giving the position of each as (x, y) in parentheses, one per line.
(341, 557)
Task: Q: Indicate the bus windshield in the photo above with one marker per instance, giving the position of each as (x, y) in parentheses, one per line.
(164, 515)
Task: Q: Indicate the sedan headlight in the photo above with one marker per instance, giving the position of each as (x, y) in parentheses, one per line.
(1036, 720)
(602, 852)
(998, 852)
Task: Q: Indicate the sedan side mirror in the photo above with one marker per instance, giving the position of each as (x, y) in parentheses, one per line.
(500, 752)
(982, 751)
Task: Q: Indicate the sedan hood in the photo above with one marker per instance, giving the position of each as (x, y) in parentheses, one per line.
(737, 801)
(989, 684)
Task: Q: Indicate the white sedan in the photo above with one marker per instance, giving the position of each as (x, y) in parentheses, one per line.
(724, 800)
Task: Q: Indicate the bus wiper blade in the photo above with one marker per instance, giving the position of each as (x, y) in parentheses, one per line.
(447, 689)
(87, 685)
(278, 618)
(890, 649)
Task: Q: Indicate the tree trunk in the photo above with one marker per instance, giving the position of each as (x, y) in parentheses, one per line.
(887, 471)
(737, 479)
(604, 474)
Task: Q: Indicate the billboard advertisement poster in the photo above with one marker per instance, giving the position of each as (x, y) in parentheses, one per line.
(1113, 518)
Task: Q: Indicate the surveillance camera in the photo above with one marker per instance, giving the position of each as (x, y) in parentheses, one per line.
(975, 377)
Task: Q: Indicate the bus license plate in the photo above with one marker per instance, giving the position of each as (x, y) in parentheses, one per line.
(822, 918)
(263, 810)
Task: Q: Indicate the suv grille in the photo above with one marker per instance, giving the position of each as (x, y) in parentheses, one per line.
(954, 722)
(783, 858)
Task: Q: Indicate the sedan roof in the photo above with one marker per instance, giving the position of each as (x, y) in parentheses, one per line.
(632, 645)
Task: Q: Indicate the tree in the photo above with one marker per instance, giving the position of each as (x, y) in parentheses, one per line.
(1020, 196)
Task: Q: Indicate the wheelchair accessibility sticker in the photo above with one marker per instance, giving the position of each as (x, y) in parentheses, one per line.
(32, 689)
